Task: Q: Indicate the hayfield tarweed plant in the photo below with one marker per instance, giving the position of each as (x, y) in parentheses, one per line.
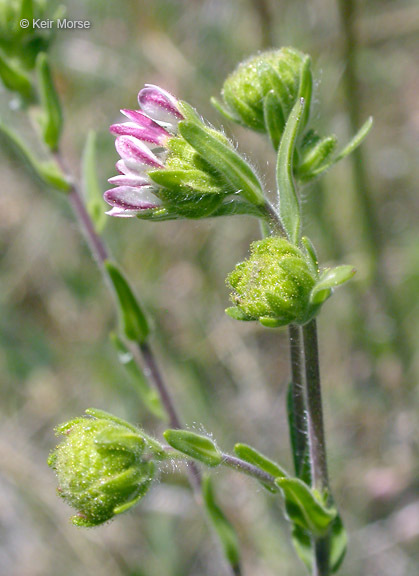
(173, 165)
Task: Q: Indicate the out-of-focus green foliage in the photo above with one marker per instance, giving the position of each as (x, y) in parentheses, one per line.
(229, 378)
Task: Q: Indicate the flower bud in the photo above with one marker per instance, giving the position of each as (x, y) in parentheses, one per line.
(273, 285)
(100, 467)
(262, 91)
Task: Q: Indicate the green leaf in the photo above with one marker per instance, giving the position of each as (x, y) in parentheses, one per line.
(134, 323)
(148, 395)
(330, 279)
(289, 205)
(92, 191)
(223, 110)
(48, 172)
(253, 456)
(115, 439)
(303, 508)
(349, 148)
(310, 252)
(274, 118)
(237, 314)
(14, 78)
(305, 89)
(222, 158)
(195, 446)
(222, 526)
(338, 541)
(52, 119)
(197, 180)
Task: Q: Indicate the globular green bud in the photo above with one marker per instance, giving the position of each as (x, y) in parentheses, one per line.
(280, 284)
(273, 285)
(262, 91)
(101, 466)
(196, 446)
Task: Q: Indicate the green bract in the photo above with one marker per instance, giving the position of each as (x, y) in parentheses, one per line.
(262, 91)
(100, 467)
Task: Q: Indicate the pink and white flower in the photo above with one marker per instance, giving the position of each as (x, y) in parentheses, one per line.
(142, 144)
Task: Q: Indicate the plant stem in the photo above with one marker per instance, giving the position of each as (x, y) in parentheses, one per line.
(316, 439)
(249, 469)
(374, 235)
(151, 370)
(298, 420)
(266, 20)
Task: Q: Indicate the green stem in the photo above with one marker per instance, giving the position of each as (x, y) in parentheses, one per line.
(298, 409)
(316, 439)
(375, 236)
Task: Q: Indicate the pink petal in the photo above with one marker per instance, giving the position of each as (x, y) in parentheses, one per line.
(152, 135)
(121, 213)
(129, 180)
(159, 104)
(130, 148)
(132, 198)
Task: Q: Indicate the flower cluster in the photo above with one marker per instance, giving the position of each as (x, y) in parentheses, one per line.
(273, 285)
(100, 467)
(174, 165)
(142, 144)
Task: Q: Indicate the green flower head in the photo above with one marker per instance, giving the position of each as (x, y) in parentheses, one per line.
(100, 466)
(262, 91)
(273, 285)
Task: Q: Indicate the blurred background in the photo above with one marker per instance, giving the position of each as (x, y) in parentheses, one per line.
(227, 378)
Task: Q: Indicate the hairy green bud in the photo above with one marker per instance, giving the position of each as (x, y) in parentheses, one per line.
(262, 91)
(280, 284)
(273, 285)
(101, 467)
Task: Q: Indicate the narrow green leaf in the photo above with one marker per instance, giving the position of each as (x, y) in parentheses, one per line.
(330, 279)
(303, 508)
(224, 159)
(115, 439)
(195, 446)
(134, 323)
(223, 110)
(274, 118)
(356, 140)
(148, 395)
(305, 90)
(222, 525)
(26, 11)
(92, 190)
(310, 252)
(14, 78)
(349, 148)
(289, 205)
(237, 314)
(253, 456)
(197, 180)
(51, 120)
(338, 541)
(48, 172)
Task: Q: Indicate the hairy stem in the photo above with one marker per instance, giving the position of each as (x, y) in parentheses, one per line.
(249, 469)
(299, 423)
(316, 439)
